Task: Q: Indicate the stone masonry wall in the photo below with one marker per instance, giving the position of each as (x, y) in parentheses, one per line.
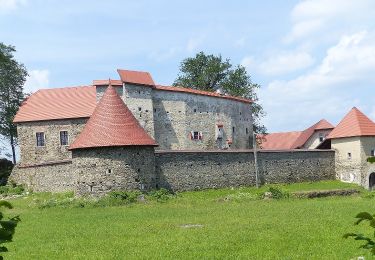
(52, 177)
(52, 150)
(193, 170)
(104, 169)
(178, 114)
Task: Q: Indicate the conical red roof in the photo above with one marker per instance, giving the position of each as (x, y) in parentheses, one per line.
(355, 123)
(112, 124)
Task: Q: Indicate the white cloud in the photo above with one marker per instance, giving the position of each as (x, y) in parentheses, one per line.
(281, 63)
(37, 79)
(342, 80)
(310, 17)
(10, 5)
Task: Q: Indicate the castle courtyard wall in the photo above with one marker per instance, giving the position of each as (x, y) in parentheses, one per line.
(194, 170)
(97, 171)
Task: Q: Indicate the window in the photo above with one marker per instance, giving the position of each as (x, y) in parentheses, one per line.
(63, 137)
(139, 109)
(233, 129)
(349, 156)
(321, 137)
(40, 139)
(247, 130)
(195, 110)
(373, 152)
(196, 135)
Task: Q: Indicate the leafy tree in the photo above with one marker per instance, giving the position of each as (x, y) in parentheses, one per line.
(369, 242)
(12, 78)
(213, 73)
(7, 227)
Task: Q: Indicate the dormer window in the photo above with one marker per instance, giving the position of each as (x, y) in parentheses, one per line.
(321, 137)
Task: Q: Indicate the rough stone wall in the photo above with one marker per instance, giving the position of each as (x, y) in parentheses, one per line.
(54, 177)
(178, 114)
(367, 144)
(348, 170)
(114, 168)
(139, 100)
(178, 170)
(52, 151)
(314, 141)
(101, 89)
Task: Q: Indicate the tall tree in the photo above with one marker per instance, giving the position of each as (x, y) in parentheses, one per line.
(12, 78)
(213, 73)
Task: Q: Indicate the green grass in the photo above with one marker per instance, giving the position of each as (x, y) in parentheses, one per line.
(241, 228)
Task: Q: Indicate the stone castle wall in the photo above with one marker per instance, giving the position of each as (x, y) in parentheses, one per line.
(97, 171)
(178, 170)
(101, 170)
(52, 150)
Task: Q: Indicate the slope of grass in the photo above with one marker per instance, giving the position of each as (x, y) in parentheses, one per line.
(241, 229)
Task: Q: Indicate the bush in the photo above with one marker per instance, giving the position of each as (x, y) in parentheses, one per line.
(275, 192)
(10, 190)
(6, 167)
(160, 195)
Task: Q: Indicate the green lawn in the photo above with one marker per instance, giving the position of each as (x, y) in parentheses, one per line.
(235, 226)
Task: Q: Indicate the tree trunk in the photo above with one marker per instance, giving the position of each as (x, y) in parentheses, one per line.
(13, 149)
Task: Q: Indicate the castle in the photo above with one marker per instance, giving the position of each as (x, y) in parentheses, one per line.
(353, 141)
(132, 134)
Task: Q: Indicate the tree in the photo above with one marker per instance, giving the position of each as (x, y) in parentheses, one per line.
(12, 78)
(212, 73)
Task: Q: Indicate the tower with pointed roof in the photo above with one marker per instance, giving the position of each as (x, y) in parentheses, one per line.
(113, 152)
(353, 140)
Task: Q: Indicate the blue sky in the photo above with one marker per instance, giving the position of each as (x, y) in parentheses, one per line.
(314, 59)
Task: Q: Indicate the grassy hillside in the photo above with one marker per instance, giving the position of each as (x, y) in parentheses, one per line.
(213, 224)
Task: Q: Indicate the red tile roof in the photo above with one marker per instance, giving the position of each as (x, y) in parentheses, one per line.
(355, 123)
(201, 92)
(105, 82)
(279, 141)
(58, 103)
(293, 140)
(112, 124)
(136, 77)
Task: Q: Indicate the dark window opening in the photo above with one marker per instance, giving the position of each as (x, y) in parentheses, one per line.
(373, 152)
(40, 139)
(109, 171)
(139, 109)
(63, 137)
(349, 156)
(233, 129)
(195, 110)
(247, 130)
(155, 110)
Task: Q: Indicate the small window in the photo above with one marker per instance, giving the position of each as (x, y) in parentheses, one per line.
(109, 171)
(321, 137)
(63, 137)
(233, 129)
(247, 130)
(154, 110)
(40, 139)
(195, 110)
(139, 109)
(349, 156)
(373, 152)
(195, 135)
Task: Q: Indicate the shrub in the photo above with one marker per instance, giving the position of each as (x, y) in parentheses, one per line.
(160, 195)
(275, 192)
(6, 167)
(11, 190)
